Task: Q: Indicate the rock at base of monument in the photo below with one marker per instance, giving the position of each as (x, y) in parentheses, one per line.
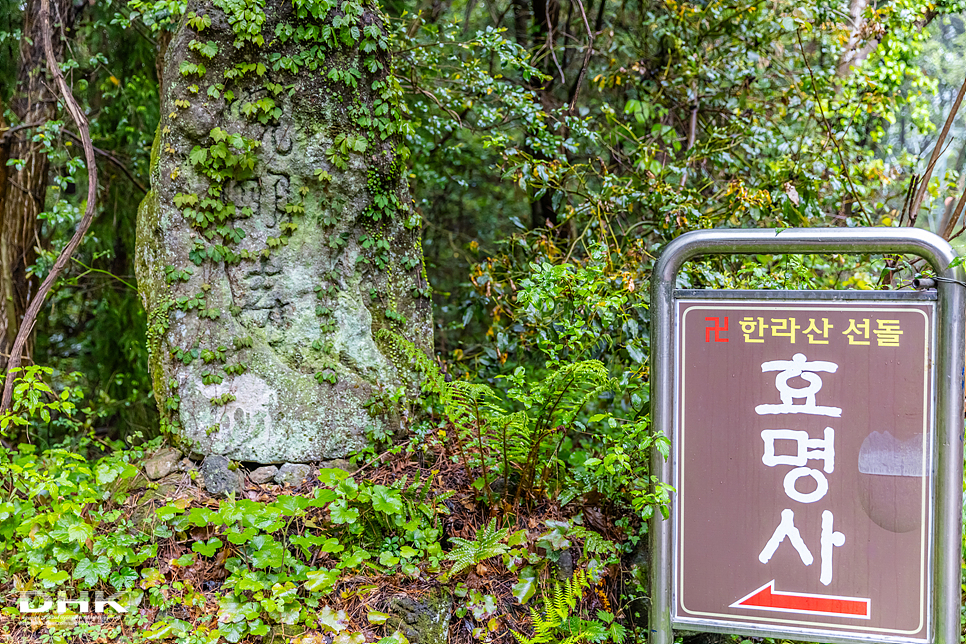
(339, 464)
(143, 515)
(161, 463)
(262, 475)
(219, 477)
(293, 474)
(423, 621)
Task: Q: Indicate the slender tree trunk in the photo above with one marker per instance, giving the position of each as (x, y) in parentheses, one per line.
(851, 52)
(23, 190)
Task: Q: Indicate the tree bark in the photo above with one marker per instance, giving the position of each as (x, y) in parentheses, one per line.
(23, 191)
(80, 120)
(851, 52)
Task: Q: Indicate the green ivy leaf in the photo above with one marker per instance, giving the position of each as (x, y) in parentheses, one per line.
(268, 553)
(207, 549)
(198, 155)
(244, 536)
(341, 513)
(53, 577)
(166, 630)
(375, 617)
(80, 532)
(386, 500)
(92, 571)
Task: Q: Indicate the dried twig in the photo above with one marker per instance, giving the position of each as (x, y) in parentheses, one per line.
(936, 151)
(30, 317)
(550, 42)
(587, 54)
(692, 133)
(821, 111)
(951, 224)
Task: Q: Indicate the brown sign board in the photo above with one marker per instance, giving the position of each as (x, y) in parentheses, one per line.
(803, 460)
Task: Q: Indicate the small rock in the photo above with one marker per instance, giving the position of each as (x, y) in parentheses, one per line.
(286, 633)
(219, 479)
(292, 474)
(340, 464)
(143, 513)
(423, 621)
(161, 463)
(187, 465)
(263, 475)
(565, 565)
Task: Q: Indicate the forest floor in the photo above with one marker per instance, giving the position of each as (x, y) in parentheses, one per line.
(190, 590)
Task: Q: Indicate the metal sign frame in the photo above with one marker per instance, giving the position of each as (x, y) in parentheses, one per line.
(948, 408)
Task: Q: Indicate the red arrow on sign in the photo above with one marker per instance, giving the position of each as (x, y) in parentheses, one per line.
(765, 598)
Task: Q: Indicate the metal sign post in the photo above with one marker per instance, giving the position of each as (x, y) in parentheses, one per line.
(816, 448)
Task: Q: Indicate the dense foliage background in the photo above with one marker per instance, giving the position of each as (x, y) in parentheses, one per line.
(572, 137)
(557, 145)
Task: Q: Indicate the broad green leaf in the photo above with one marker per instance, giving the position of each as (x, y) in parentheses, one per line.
(207, 549)
(198, 155)
(80, 532)
(341, 513)
(106, 473)
(395, 638)
(349, 638)
(375, 617)
(386, 500)
(166, 630)
(408, 552)
(526, 587)
(92, 571)
(239, 538)
(321, 580)
(267, 553)
(333, 620)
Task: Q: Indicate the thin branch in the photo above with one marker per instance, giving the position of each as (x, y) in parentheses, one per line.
(692, 133)
(821, 110)
(8, 131)
(117, 163)
(553, 54)
(951, 224)
(587, 54)
(936, 151)
(30, 317)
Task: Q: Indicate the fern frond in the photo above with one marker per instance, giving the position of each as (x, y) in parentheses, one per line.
(594, 542)
(617, 633)
(464, 401)
(570, 388)
(434, 381)
(469, 553)
(558, 624)
(523, 639)
(582, 630)
(513, 433)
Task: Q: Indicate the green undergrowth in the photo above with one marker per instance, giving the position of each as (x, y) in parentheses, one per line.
(320, 562)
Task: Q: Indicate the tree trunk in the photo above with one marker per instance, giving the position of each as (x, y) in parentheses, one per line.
(23, 191)
(851, 54)
(279, 237)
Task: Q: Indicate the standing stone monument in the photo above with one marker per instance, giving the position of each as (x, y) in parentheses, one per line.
(279, 235)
